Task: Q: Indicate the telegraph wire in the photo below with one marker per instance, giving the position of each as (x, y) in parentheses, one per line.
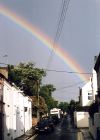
(58, 71)
(65, 4)
(61, 20)
(69, 86)
(71, 72)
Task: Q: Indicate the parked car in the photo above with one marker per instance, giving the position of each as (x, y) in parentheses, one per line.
(45, 125)
(51, 123)
(55, 119)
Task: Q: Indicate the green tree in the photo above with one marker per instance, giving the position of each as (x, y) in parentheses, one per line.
(25, 76)
(63, 106)
(42, 105)
(46, 93)
(28, 78)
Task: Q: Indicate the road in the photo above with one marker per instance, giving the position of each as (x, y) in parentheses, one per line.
(64, 131)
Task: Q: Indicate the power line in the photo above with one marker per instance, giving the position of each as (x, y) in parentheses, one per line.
(64, 8)
(61, 71)
(71, 72)
(69, 86)
(61, 20)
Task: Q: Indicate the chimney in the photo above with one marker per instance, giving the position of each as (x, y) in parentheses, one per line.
(95, 59)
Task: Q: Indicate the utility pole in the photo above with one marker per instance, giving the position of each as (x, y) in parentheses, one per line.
(38, 86)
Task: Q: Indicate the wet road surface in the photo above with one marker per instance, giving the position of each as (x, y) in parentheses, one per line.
(63, 131)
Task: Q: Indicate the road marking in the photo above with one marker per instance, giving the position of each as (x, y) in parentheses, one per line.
(79, 136)
(33, 137)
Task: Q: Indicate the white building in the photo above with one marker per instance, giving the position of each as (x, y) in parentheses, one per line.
(16, 111)
(88, 91)
(86, 94)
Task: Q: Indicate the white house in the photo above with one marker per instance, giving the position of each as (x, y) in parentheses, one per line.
(89, 90)
(86, 97)
(16, 111)
(86, 94)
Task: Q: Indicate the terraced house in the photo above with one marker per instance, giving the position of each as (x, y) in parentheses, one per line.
(15, 110)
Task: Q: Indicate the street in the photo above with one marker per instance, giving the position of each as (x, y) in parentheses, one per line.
(63, 131)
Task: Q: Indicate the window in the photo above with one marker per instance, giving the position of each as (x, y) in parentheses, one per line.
(90, 97)
(90, 94)
(25, 109)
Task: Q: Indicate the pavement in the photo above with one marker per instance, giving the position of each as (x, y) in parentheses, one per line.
(86, 134)
(28, 135)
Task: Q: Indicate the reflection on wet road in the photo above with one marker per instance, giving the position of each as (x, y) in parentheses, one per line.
(64, 131)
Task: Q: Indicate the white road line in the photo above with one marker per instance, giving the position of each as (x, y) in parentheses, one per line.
(33, 137)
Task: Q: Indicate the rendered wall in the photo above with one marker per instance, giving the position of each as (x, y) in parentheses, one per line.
(94, 126)
(16, 120)
(81, 119)
(86, 89)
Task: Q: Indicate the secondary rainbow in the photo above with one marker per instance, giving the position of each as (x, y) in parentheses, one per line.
(33, 30)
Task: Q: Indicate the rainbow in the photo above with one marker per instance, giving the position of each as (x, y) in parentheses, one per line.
(34, 31)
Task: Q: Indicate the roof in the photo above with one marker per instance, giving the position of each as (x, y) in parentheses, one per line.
(2, 76)
(4, 71)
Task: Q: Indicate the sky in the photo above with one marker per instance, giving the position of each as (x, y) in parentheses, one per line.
(27, 32)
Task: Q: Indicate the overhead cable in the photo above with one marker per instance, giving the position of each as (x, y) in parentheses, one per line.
(69, 86)
(65, 4)
(72, 72)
